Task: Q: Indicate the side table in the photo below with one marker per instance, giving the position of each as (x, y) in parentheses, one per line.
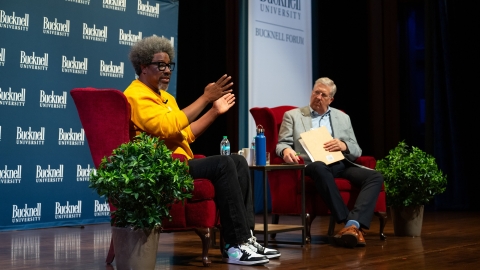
(266, 228)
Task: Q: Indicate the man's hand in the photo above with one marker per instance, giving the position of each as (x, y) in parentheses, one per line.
(224, 103)
(290, 156)
(335, 145)
(213, 91)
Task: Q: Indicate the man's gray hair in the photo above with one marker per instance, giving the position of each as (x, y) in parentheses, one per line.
(327, 82)
(141, 53)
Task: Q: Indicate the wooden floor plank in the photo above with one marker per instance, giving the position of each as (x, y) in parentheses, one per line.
(450, 240)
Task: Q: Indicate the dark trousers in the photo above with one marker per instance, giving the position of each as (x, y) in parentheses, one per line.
(368, 181)
(233, 193)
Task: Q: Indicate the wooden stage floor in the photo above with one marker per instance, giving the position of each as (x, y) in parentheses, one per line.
(450, 240)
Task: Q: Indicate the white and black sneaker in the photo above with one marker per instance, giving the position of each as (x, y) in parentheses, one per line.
(259, 249)
(242, 254)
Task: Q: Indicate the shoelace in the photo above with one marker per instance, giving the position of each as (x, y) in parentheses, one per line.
(246, 249)
(255, 243)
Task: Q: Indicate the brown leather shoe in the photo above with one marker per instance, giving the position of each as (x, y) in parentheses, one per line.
(361, 240)
(348, 237)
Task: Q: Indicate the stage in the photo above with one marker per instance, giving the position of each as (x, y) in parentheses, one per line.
(449, 240)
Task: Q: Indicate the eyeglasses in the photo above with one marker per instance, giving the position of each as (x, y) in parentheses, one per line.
(316, 93)
(162, 65)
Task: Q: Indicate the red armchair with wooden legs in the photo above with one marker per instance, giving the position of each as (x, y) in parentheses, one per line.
(105, 117)
(285, 185)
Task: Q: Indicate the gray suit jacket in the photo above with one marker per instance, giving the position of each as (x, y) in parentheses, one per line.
(299, 120)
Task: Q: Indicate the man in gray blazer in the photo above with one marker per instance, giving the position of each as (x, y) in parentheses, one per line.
(319, 113)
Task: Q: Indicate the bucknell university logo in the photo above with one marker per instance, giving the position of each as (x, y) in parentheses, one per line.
(30, 137)
(49, 175)
(26, 214)
(94, 33)
(33, 61)
(101, 209)
(11, 176)
(111, 70)
(68, 210)
(70, 137)
(74, 66)
(12, 98)
(119, 5)
(52, 100)
(147, 10)
(128, 38)
(2, 57)
(83, 174)
(56, 28)
(13, 22)
(83, 2)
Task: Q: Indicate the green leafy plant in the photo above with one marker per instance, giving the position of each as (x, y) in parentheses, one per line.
(412, 176)
(142, 180)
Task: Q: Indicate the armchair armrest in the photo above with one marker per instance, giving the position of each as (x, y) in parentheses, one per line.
(275, 159)
(367, 161)
(179, 156)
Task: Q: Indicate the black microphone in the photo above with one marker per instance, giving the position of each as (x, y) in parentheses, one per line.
(165, 102)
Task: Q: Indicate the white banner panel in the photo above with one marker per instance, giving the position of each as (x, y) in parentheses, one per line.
(279, 54)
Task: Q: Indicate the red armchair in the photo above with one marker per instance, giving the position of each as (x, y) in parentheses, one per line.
(105, 117)
(285, 185)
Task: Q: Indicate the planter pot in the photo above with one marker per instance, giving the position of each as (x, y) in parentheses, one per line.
(407, 220)
(135, 249)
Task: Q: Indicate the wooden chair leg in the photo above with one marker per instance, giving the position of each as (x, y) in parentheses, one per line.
(204, 234)
(213, 237)
(222, 243)
(111, 253)
(331, 226)
(382, 216)
(275, 219)
(308, 226)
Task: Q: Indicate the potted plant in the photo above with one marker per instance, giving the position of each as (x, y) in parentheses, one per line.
(412, 179)
(141, 181)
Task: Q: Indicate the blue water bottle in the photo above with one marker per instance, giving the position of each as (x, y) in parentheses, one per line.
(260, 147)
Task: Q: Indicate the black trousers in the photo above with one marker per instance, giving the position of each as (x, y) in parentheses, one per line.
(233, 193)
(368, 181)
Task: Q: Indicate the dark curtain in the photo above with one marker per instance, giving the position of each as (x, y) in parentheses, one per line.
(435, 78)
(207, 49)
(455, 68)
(422, 91)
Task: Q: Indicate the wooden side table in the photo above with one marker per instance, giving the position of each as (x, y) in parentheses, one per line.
(266, 228)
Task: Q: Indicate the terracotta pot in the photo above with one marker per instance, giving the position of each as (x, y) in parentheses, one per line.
(135, 249)
(407, 220)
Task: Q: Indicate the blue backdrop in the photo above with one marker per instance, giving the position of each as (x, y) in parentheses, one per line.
(48, 48)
